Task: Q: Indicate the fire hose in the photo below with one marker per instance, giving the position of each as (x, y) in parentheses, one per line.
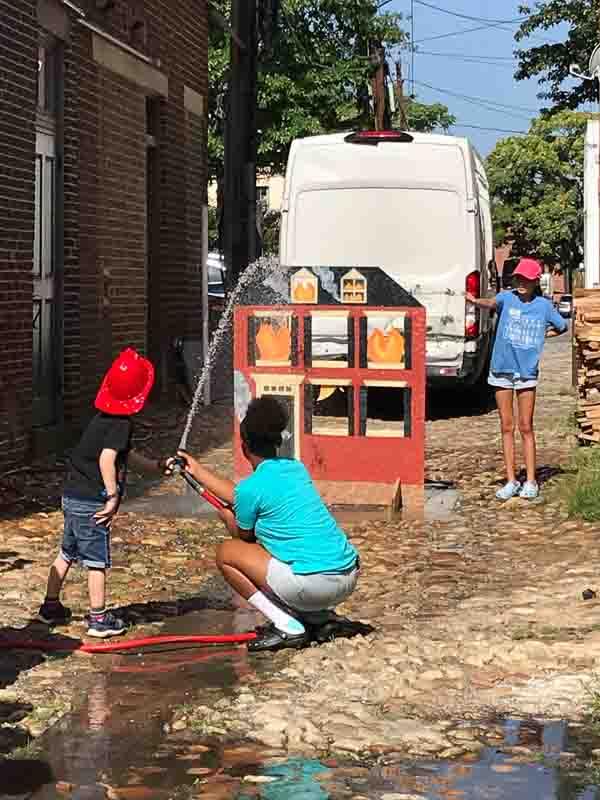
(76, 645)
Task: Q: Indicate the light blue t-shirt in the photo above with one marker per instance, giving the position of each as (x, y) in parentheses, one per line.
(521, 333)
(281, 505)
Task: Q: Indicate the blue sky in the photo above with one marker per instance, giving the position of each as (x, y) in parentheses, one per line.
(478, 79)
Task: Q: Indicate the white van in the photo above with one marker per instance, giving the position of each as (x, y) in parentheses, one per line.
(416, 205)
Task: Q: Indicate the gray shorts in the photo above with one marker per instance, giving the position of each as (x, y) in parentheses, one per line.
(315, 592)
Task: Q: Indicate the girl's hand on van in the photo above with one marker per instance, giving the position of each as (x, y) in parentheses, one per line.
(470, 298)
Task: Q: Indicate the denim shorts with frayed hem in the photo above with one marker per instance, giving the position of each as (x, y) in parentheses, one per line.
(510, 382)
(83, 539)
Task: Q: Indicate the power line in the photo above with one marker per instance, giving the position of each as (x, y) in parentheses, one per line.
(483, 128)
(456, 33)
(483, 101)
(487, 26)
(473, 19)
(471, 55)
(469, 59)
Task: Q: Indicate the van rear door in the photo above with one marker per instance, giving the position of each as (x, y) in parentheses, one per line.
(376, 206)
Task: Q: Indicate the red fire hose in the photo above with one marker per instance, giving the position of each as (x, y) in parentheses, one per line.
(74, 645)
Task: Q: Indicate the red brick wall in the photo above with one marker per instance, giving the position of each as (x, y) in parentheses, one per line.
(77, 148)
(105, 286)
(114, 298)
(183, 174)
(18, 71)
(110, 308)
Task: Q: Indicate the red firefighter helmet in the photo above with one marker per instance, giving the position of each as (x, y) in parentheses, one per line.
(126, 385)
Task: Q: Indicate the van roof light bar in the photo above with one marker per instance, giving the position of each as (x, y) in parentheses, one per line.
(375, 137)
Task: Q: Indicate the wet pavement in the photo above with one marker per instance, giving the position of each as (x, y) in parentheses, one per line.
(479, 617)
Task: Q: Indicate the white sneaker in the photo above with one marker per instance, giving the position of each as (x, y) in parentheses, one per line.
(511, 489)
(530, 490)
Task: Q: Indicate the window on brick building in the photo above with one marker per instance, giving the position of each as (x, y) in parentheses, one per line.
(47, 75)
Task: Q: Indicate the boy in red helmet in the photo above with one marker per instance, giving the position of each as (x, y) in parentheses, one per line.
(93, 490)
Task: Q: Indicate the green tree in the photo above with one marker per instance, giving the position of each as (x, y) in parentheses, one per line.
(427, 118)
(550, 61)
(537, 188)
(313, 77)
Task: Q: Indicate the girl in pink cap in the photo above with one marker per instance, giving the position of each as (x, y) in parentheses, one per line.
(525, 319)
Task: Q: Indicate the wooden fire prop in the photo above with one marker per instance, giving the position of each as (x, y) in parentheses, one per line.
(346, 358)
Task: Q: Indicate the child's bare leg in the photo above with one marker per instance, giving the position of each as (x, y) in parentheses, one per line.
(526, 405)
(504, 401)
(244, 566)
(97, 588)
(56, 577)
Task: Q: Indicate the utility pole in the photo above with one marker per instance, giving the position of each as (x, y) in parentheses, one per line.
(412, 47)
(240, 240)
(378, 85)
(400, 99)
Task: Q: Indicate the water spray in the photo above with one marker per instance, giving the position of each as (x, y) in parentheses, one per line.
(262, 268)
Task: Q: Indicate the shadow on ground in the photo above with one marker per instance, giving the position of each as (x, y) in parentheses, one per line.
(214, 595)
(12, 663)
(21, 777)
(450, 403)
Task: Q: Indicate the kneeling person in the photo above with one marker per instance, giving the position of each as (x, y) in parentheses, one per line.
(289, 558)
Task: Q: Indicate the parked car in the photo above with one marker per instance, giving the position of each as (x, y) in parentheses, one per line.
(216, 275)
(565, 305)
(215, 264)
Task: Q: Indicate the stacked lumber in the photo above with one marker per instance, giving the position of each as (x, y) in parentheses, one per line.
(587, 363)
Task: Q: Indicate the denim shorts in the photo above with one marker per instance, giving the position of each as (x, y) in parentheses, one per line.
(315, 592)
(84, 540)
(500, 381)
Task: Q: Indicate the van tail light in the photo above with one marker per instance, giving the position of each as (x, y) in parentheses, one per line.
(375, 137)
(472, 286)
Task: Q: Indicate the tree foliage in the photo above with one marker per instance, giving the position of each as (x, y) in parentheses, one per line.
(550, 61)
(537, 187)
(428, 118)
(312, 79)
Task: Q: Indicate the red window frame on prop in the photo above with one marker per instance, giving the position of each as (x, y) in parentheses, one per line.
(343, 349)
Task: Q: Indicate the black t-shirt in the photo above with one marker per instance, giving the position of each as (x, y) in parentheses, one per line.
(105, 432)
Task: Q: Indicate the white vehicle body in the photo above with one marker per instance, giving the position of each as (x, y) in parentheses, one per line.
(418, 208)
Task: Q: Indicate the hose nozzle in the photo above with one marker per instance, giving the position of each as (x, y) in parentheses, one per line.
(179, 469)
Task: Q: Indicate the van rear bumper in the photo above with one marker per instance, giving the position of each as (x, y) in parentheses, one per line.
(466, 371)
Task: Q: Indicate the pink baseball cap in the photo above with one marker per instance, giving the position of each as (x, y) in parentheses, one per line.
(529, 268)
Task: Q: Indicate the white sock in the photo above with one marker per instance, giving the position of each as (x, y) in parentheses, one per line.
(282, 621)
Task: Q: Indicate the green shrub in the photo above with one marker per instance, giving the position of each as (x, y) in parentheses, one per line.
(584, 491)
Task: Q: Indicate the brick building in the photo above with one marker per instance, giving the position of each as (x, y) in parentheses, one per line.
(102, 198)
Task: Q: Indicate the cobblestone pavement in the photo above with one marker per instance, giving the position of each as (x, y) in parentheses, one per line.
(475, 614)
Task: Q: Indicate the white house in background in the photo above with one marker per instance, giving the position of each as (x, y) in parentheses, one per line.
(269, 191)
(591, 183)
(592, 205)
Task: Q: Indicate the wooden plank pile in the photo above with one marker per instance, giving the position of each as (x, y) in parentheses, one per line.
(587, 363)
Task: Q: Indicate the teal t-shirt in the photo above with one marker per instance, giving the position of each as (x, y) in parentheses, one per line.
(281, 505)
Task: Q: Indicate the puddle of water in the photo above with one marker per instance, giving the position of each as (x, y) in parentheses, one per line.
(116, 738)
(115, 746)
(495, 775)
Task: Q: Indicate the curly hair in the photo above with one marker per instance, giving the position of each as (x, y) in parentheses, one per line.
(261, 428)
